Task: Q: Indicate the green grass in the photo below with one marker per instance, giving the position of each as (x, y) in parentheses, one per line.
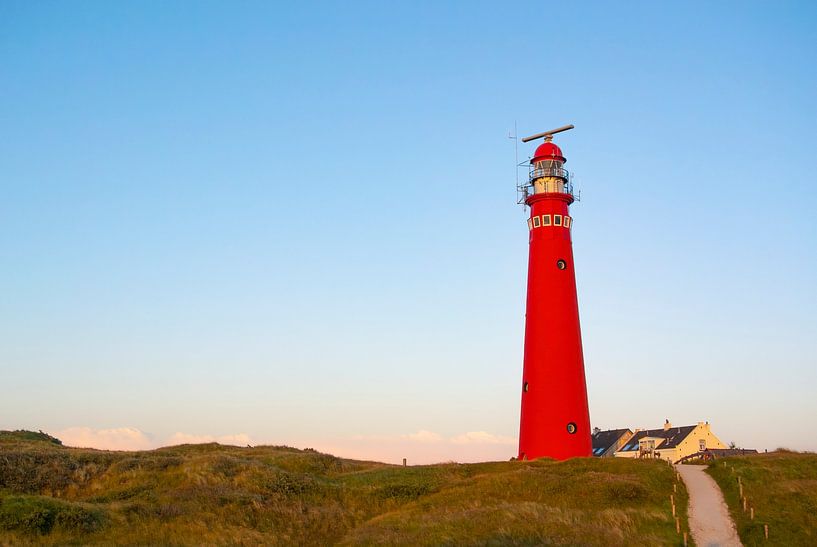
(194, 494)
(781, 487)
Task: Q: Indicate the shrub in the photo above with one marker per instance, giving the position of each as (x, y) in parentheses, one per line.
(39, 515)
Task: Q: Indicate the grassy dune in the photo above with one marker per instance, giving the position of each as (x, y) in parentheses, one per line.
(193, 494)
(781, 487)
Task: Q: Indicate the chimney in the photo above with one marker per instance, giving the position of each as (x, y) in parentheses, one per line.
(667, 425)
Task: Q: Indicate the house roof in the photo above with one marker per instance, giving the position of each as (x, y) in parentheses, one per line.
(603, 440)
(672, 437)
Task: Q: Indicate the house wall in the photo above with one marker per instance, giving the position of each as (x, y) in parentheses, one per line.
(690, 445)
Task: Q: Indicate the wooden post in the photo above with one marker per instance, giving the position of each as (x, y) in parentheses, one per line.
(404, 462)
(740, 489)
(752, 513)
(673, 509)
(766, 530)
(745, 504)
(685, 539)
(677, 525)
(675, 487)
(672, 499)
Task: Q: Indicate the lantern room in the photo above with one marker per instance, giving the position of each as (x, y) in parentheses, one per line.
(546, 173)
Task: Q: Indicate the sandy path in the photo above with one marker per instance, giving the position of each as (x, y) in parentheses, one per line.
(709, 518)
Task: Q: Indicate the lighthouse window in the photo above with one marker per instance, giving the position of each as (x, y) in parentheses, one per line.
(525, 387)
(567, 222)
(530, 224)
(561, 264)
(557, 220)
(536, 222)
(545, 220)
(571, 428)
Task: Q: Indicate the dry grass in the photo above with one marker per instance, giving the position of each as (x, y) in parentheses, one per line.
(781, 487)
(214, 494)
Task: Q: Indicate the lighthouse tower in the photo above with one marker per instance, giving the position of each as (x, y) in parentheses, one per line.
(555, 421)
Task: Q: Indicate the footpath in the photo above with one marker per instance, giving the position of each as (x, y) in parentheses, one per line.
(709, 520)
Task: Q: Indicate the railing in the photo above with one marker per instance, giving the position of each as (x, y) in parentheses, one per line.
(538, 171)
(546, 169)
(526, 189)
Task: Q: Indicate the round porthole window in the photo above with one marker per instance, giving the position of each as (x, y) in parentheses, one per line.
(561, 264)
(571, 428)
(525, 387)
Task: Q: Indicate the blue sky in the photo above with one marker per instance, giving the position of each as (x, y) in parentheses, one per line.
(297, 223)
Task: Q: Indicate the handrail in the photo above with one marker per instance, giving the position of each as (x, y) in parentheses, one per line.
(550, 171)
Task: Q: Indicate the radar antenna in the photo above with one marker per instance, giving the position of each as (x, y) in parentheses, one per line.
(548, 135)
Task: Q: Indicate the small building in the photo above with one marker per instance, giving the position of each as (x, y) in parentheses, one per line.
(605, 443)
(670, 443)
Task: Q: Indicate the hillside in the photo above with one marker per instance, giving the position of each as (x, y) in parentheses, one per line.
(279, 495)
(781, 487)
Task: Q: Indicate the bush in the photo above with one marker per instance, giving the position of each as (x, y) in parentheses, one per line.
(626, 491)
(405, 492)
(39, 515)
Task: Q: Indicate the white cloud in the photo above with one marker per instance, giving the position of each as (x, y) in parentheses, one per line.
(423, 446)
(423, 436)
(120, 438)
(482, 437)
(131, 438)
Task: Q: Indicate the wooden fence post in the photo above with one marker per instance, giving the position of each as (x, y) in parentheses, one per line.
(677, 525)
(766, 530)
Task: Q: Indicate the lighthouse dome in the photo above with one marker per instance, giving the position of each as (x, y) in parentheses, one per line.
(548, 151)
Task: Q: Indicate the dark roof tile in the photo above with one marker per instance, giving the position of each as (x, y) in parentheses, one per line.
(672, 437)
(606, 439)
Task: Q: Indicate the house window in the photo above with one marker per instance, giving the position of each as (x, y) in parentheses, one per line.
(557, 220)
(536, 222)
(545, 220)
(702, 444)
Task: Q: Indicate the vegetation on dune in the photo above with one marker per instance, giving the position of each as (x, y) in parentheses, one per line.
(781, 487)
(50, 494)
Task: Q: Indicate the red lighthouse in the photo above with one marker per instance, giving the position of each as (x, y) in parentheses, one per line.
(555, 420)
